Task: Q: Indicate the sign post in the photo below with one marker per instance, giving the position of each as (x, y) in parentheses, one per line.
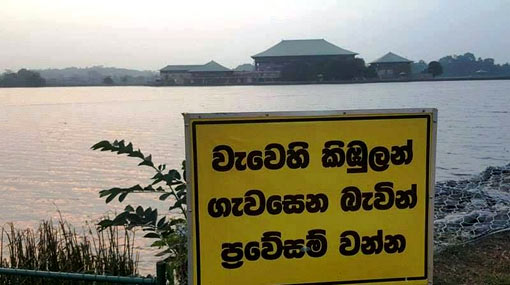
(326, 197)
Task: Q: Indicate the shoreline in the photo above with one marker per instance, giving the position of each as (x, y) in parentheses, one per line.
(483, 261)
(346, 81)
(290, 82)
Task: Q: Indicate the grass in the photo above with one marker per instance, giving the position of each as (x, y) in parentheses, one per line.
(486, 261)
(58, 247)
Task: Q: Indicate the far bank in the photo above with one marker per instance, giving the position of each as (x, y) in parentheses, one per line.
(339, 81)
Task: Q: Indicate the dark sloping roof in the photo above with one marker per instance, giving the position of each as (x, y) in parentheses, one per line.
(178, 67)
(211, 66)
(304, 48)
(391, 58)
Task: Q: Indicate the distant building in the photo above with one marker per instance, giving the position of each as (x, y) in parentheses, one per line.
(209, 73)
(289, 52)
(392, 66)
(212, 73)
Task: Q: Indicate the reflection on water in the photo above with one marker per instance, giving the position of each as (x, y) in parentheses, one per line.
(46, 133)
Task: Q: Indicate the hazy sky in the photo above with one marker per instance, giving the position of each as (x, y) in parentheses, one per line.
(151, 34)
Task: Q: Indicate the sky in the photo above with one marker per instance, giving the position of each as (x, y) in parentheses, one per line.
(151, 34)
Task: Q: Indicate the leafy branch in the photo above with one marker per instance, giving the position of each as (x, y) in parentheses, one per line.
(170, 231)
(171, 178)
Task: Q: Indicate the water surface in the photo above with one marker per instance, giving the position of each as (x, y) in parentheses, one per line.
(46, 133)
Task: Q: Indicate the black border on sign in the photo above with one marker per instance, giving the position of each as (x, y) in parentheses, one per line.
(313, 119)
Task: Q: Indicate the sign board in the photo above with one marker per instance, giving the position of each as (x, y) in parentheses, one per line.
(333, 197)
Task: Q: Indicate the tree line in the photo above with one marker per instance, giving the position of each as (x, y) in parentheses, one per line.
(96, 76)
(465, 65)
(22, 78)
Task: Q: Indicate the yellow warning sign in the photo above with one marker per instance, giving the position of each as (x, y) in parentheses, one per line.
(311, 198)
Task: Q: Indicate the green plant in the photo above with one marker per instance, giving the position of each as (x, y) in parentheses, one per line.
(435, 68)
(169, 231)
(58, 247)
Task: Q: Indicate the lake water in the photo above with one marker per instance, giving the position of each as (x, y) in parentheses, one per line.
(45, 134)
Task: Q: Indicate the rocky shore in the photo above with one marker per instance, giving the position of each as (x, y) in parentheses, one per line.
(467, 210)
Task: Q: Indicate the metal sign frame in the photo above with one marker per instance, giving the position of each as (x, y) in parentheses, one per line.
(290, 116)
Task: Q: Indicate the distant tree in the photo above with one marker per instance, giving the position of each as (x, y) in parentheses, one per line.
(23, 78)
(141, 79)
(418, 67)
(435, 68)
(505, 69)
(370, 72)
(30, 78)
(108, 80)
(359, 67)
(469, 56)
(488, 61)
(245, 67)
(94, 75)
(468, 65)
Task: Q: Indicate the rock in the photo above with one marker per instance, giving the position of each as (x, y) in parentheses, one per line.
(468, 208)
